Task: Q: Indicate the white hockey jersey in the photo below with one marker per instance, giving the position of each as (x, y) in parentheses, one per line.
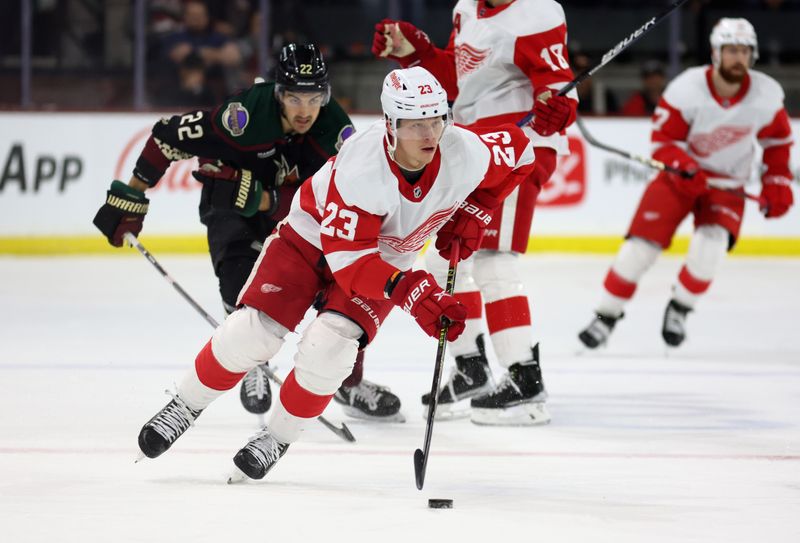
(721, 134)
(370, 222)
(499, 58)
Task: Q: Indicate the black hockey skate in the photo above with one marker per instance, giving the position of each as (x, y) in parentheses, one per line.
(471, 377)
(599, 329)
(674, 328)
(517, 400)
(260, 455)
(369, 401)
(255, 393)
(160, 432)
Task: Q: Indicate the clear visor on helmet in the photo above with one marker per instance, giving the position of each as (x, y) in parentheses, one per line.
(298, 96)
(423, 129)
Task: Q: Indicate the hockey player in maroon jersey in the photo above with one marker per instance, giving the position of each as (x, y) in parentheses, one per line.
(707, 122)
(353, 233)
(270, 137)
(504, 59)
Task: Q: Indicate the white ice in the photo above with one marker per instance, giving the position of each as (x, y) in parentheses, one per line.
(700, 445)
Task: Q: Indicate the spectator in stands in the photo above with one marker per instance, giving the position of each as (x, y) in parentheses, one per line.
(218, 53)
(192, 91)
(592, 101)
(643, 102)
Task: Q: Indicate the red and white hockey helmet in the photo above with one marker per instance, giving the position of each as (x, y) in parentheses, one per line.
(733, 31)
(412, 93)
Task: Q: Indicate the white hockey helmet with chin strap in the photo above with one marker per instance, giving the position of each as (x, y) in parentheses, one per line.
(733, 31)
(411, 93)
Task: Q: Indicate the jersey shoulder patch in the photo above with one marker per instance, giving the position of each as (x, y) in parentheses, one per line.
(332, 127)
(236, 118)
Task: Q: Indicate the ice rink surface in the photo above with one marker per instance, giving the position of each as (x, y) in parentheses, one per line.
(700, 445)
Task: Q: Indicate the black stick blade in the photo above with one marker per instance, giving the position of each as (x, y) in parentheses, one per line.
(346, 434)
(419, 468)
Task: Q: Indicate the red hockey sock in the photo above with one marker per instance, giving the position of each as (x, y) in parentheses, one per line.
(211, 373)
(508, 313)
(300, 402)
(618, 286)
(692, 283)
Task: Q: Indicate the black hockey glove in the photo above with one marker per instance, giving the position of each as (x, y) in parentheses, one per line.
(123, 211)
(230, 188)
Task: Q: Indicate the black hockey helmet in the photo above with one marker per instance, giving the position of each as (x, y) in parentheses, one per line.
(301, 68)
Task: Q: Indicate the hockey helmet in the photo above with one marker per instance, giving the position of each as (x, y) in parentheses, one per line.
(301, 68)
(733, 31)
(412, 93)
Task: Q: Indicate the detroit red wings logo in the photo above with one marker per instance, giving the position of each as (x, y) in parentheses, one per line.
(704, 145)
(415, 240)
(469, 59)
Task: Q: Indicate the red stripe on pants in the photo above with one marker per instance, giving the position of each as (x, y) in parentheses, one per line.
(692, 283)
(300, 402)
(211, 373)
(508, 313)
(472, 301)
(618, 286)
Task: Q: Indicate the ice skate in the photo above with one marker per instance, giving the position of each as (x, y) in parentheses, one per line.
(599, 329)
(255, 392)
(259, 456)
(674, 328)
(517, 400)
(160, 432)
(471, 377)
(369, 401)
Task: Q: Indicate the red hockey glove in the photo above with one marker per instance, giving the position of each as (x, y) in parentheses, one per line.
(399, 40)
(693, 186)
(417, 294)
(776, 194)
(467, 225)
(123, 212)
(230, 188)
(552, 113)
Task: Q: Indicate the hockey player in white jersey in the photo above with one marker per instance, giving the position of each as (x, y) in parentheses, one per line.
(708, 122)
(351, 237)
(504, 59)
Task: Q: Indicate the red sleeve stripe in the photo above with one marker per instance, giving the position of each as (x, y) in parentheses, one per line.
(308, 202)
(672, 128)
(338, 260)
(778, 130)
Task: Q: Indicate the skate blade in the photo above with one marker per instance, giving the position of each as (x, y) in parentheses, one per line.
(352, 412)
(525, 414)
(445, 412)
(237, 476)
(139, 457)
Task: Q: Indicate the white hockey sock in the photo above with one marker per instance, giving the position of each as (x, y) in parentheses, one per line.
(634, 258)
(284, 426)
(194, 393)
(706, 252)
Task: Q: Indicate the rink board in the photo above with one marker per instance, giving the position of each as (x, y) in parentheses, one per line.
(56, 167)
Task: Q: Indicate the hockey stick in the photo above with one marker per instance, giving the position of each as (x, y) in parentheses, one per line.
(612, 53)
(343, 431)
(653, 163)
(421, 456)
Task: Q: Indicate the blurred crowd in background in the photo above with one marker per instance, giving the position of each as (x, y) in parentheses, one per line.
(199, 51)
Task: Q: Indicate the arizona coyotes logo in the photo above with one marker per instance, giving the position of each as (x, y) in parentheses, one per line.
(469, 59)
(415, 240)
(286, 174)
(704, 145)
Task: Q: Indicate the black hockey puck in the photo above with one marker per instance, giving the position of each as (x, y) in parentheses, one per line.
(434, 503)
